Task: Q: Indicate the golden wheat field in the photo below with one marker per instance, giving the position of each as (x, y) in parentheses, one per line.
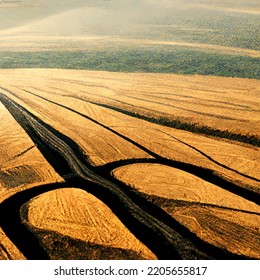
(106, 165)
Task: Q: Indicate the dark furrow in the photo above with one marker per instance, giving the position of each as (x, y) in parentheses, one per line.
(5, 251)
(24, 152)
(141, 146)
(107, 168)
(96, 122)
(203, 173)
(146, 226)
(176, 123)
(253, 140)
(212, 159)
(190, 102)
(184, 109)
(231, 106)
(239, 106)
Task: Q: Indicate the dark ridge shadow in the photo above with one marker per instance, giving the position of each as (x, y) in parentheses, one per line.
(24, 152)
(168, 202)
(54, 244)
(14, 177)
(181, 108)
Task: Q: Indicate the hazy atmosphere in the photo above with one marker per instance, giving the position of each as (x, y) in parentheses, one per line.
(193, 21)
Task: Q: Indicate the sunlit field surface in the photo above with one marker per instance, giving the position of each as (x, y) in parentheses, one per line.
(129, 129)
(109, 165)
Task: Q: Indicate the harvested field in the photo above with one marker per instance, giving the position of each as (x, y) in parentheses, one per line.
(215, 215)
(81, 216)
(22, 166)
(103, 164)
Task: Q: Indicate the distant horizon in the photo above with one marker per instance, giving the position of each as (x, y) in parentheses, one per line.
(203, 37)
(110, 17)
